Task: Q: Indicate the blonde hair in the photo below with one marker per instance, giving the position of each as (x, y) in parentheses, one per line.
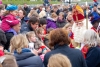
(67, 25)
(90, 38)
(29, 34)
(33, 13)
(9, 61)
(18, 42)
(39, 30)
(53, 15)
(59, 60)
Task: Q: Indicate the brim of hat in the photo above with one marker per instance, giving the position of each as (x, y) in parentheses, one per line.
(96, 19)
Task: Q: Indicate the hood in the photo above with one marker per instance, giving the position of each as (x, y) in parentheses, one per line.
(49, 19)
(23, 56)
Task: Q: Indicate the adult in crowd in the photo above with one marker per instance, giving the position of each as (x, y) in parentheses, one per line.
(3, 39)
(22, 16)
(61, 22)
(56, 61)
(26, 8)
(32, 25)
(48, 11)
(59, 40)
(24, 56)
(56, 10)
(93, 53)
(10, 33)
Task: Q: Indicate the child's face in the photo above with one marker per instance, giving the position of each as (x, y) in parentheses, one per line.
(33, 38)
(1, 48)
(69, 29)
(44, 26)
(15, 13)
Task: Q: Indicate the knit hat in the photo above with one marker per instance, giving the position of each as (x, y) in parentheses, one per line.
(11, 7)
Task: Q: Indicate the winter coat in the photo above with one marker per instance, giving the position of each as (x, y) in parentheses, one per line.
(51, 23)
(28, 59)
(9, 34)
(61, 23)
(93, 57)
(8, 22)
(75, 56)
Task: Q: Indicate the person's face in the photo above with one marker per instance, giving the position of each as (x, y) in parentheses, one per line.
(35, 26)
(96, 25)
(20, 14)
(44, 26)
(17, 27)
(15, 13)
(33, 38)
(95, 8)
(69, 29)
(70, 17)
(48, 9)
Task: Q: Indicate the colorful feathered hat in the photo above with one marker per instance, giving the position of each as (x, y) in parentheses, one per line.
(11, 7)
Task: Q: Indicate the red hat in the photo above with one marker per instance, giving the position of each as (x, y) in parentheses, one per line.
(78, 14)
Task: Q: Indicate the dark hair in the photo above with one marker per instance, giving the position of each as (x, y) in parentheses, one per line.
(24, 12)
(96, 21)
(42, 21)
(58, 36)
(33, 20)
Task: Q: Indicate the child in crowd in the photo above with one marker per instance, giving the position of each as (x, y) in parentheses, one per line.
(43, 24)
(68, 28)
(9, 18)
(42, 49)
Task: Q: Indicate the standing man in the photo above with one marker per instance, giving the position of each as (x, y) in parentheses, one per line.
(46, 2)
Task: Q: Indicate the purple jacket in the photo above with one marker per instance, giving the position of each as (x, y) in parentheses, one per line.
(51, 23)
(8, 22)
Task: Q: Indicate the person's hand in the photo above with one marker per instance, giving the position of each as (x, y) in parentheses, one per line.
(35, 52)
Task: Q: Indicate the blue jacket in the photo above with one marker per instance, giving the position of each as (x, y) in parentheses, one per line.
(28, 59)
(75, 55)
(93, 57)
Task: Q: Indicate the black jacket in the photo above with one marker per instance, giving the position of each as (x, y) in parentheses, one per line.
(75, 56)
(28, 59)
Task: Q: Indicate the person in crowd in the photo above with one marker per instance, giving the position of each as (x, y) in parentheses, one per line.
(32, 25)
(61, 22)
(93, 52)
(46, 39)
(8, 61)
(26, 8)
(9, 18)
(43, 24)
(3, 39)
(22, 16)
(10, 33)
(95, 19)
(68, 28)
(59, 39)
(56, 61)
(51, 22)
(32, 12)
(24, 56)
(42, 14)
(34, 43)
(48, 11)
(69, 18)
(56, 10)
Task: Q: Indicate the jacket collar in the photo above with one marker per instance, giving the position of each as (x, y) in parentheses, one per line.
(60, 46)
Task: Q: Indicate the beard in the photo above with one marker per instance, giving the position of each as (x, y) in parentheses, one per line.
(79, 34)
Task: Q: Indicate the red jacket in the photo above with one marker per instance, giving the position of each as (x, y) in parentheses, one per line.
(8, 22)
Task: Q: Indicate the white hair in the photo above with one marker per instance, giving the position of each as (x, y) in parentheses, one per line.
(90, 38)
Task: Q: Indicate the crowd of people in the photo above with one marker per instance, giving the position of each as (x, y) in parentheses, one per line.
(50, 36)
